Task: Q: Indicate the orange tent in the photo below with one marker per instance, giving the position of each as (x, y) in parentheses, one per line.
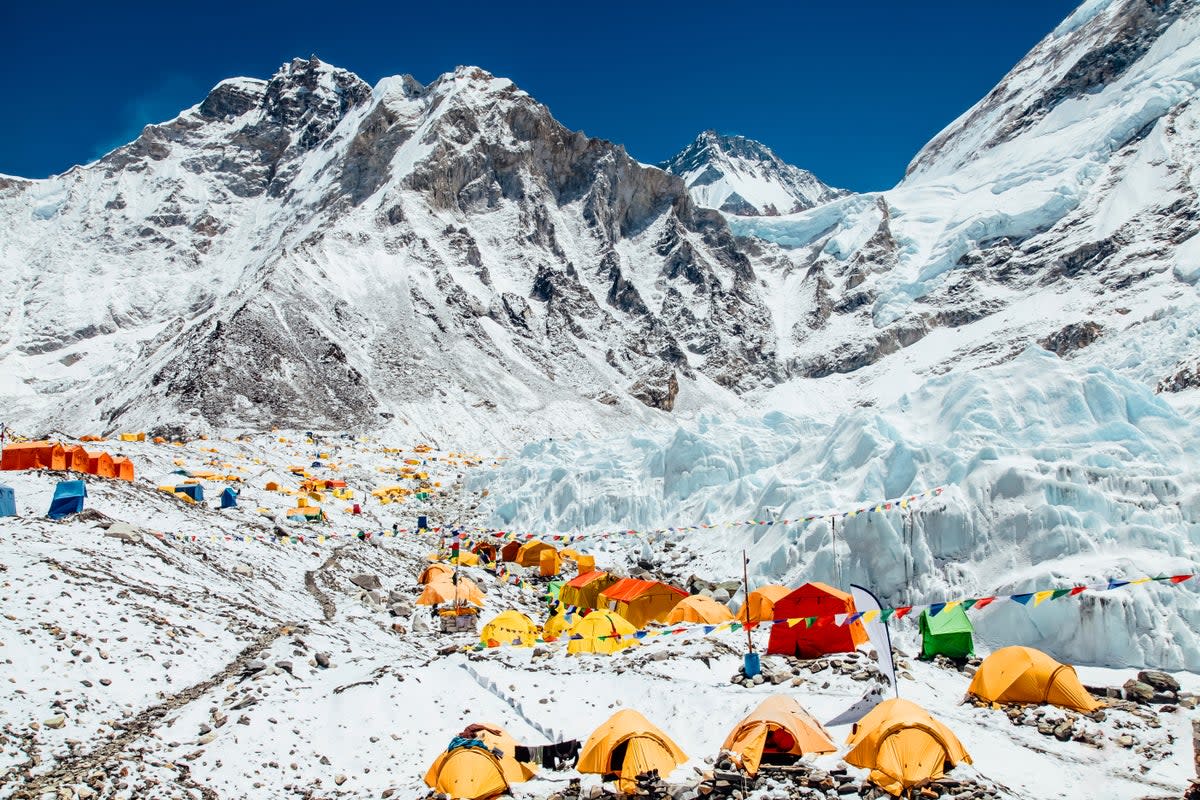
(76, 458)
(26, 455)
(476, 773)
(760, 605)
(530, 554)
(54, 456)
(1025, 675)
(435, 572)
(486, 551)
(549, 564)
(441, 591)
(123, 467)
(641, 601)
(903, 746)
(780, 729)
(825, 635)
(101, 464)
(698, 608)
(628, 745)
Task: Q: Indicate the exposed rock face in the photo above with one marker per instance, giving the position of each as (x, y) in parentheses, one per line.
(309, 251)
(1072, 337)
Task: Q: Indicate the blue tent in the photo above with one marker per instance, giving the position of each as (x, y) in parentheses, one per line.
(8, 502)
(68, 499)
(316, 465)
(229, 498)
(192, 490)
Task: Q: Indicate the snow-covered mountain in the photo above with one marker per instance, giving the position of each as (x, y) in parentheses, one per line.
(1061, 210)
(737, 175)
(310, 250)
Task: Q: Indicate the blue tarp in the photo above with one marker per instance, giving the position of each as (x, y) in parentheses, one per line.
(316, 465)
(68, 499)
(8, 502)
(229, 498)
(192, 490)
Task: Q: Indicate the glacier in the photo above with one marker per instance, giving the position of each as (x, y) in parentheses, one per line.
(1058, 474)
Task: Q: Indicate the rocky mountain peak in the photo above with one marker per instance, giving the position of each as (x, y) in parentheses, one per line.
(739, 175)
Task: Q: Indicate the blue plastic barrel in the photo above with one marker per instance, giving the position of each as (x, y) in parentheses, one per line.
(751, 665)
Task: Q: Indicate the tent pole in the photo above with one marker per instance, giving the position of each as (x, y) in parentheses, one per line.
(837, 564)
(746, 601)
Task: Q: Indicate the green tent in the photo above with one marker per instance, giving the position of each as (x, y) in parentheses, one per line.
(553, 589)
(948, 633)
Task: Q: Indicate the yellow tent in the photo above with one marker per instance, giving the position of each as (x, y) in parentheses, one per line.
(698, 608)
(467, 558)
(583, 591)
(441, 590)
(433, 572)
(641, 601)
(903, 746)
(549, 564)
(472, 773)
(569, 554)
(585, 634)
(1025, 675)
(645, 748)
(760, 605)
(509, 627)
(558, 624)
(778, 727)
(530, 554)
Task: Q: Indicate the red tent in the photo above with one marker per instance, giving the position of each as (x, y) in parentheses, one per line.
(510, 550)
(26, 455)
(825, 635)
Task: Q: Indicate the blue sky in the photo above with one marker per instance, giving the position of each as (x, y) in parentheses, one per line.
(848, 90)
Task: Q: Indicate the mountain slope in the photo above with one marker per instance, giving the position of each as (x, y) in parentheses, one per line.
(313, 251)
(1065, 201)
(737, 175)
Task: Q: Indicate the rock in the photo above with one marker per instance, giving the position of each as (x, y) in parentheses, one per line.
(1045, 728)
(106, 681)
(1158, 680)
(721, 596)
(286, 666)
(1125, 740)
(323, 660)
(758, 679)
(55, 722)
(206, 738)
(661, 655)
(128, 537)
(244, 570)
(84, 792)
(339, 779)
(366, 581)
(1063, 732)
(1138, 692)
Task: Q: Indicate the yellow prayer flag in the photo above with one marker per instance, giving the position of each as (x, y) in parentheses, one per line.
(1038, 597)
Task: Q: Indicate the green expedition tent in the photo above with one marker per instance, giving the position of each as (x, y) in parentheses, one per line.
(947, 634)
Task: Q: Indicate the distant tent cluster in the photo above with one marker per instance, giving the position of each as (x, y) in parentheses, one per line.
(66, 457)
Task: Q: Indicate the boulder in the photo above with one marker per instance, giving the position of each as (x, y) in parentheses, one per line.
(1158, 680)
(244, 570)
(1138, 692)
(366, 581)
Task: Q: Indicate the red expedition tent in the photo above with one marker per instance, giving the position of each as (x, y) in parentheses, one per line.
(825, 636)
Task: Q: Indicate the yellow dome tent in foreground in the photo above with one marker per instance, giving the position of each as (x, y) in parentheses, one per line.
(903, 746)
(1025, 675)
(584, 636)
(779, 726)
(472, 773)
(698, 608)
(626, 746)
(509, 627)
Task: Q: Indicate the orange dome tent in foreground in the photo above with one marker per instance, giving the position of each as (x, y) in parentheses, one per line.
(628, 745)
(779, 726)
(475, 773)
(903, 746)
